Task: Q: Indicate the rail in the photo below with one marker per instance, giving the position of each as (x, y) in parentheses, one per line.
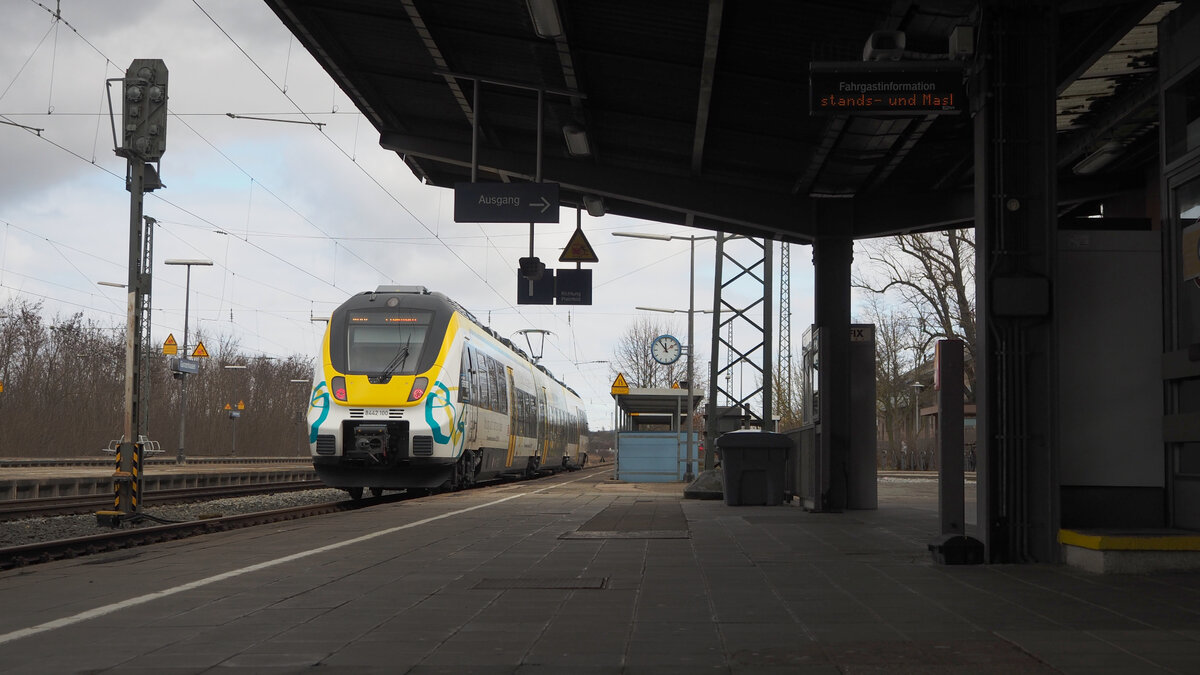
(11, 509)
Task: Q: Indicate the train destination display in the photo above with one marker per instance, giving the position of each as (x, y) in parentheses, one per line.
(887, 88)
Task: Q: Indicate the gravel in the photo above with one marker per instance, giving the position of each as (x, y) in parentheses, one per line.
(34, 530)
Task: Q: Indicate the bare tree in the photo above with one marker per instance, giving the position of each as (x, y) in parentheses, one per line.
(789, 404)
(931, 278)
(898, 354)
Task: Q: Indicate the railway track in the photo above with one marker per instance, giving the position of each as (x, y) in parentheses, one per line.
(11, 509)
(40, 552)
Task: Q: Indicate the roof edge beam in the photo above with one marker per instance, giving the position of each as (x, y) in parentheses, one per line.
(710, 201)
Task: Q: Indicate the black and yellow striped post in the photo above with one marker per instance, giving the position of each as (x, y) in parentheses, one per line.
(127, 478)
(117, 485)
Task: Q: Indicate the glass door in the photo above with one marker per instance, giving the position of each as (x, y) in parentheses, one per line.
(1183, 394)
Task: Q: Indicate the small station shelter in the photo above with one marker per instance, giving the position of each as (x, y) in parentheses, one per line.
(652, 443)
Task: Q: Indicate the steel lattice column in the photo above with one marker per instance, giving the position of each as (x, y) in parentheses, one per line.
(785, 325)
(753, 275)
(143, 421)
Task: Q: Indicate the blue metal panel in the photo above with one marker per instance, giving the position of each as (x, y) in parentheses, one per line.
(650, 457)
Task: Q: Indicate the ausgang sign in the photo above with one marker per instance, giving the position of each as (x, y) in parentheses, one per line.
(506, 202)
(886, 88)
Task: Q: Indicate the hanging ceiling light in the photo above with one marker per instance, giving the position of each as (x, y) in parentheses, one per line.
(577, 141)
(546, 22)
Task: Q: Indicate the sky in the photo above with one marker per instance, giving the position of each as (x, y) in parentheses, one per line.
(296, 218)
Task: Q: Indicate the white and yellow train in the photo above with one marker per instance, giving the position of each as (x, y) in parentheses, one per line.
(415, 393)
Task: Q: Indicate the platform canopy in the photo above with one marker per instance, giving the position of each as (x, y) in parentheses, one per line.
(652, 405)
(698, 112)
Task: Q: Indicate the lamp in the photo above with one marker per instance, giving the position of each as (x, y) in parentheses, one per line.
(577, 141)
(594, 205)
(544, 14)
(1099, 159)
(646, 235)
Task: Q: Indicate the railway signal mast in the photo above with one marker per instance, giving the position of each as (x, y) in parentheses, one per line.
(142, 142)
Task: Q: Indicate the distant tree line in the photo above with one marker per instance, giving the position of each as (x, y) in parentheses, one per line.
(64, 393)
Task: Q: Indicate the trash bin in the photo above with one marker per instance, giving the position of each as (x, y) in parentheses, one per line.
(753, 463)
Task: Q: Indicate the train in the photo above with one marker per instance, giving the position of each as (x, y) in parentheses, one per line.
(415, 393)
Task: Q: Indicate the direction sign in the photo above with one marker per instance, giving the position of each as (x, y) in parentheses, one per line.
(506, 202)
(540, 292)
(184, 365)
(573, 287)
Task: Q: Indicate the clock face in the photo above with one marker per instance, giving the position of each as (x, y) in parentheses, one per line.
(666, 349)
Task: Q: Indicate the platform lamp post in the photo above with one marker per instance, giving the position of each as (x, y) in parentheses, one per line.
(917, 387)
(181, 456)
(3, 315)
(235, 411)
(688, 475)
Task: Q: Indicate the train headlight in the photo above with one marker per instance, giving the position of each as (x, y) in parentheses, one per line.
(418, 389)
(338, 385)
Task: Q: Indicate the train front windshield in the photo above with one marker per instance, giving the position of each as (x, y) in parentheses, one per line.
(386, 341)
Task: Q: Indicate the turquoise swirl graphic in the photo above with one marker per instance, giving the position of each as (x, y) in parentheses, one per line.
(320, 400)
(439, 399)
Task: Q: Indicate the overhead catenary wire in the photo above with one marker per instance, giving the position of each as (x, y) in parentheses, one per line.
(454, 245)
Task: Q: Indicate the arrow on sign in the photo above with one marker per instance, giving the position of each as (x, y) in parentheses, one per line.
(544, 204)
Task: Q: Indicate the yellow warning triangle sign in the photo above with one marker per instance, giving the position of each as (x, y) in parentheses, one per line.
(619, 385)
(578, 249)
(170, 347)
(228, 407)
(241, 405)
(200, 352)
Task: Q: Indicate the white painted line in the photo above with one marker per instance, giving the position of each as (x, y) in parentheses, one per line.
(143, 599)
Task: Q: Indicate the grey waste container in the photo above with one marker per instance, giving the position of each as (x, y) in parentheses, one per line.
(753, 464)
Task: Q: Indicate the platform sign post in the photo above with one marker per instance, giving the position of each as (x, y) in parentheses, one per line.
(953, 547)
(620, 387)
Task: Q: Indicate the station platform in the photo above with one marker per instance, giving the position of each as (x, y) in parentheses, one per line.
(582, 574)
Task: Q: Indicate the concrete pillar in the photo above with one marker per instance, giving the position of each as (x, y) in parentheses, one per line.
(831, 262)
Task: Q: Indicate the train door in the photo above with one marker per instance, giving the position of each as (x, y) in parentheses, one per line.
(468, 396)
(543, 423)
(512, 417)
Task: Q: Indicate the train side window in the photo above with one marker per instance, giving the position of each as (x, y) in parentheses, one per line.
(502, 386)
(464, 377)
(481, 381)
(497, 383)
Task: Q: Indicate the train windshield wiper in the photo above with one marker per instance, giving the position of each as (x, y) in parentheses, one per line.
(397, 362)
